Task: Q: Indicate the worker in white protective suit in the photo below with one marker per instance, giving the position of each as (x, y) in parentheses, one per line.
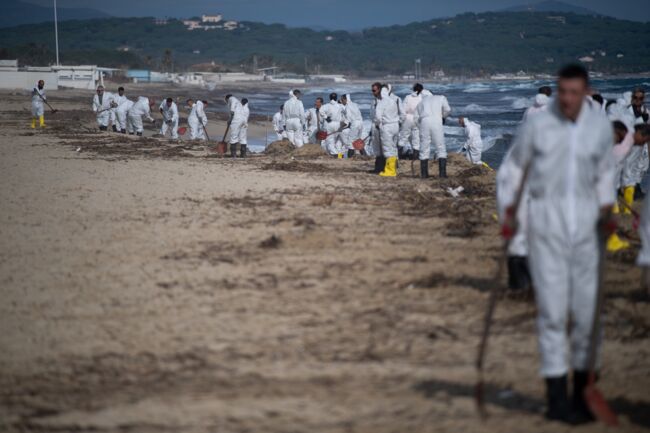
(237, 122)
(386, 121)
(430, 116)
(409, 134)
(566, 151)
(332, 114)
(197, 120)
(473, 147)
(169, 111)
(38, 100)
(293, 116)
(102, 104)
(375, 142)
(121, 108)
(314, 122)
(141, 108)
(518, 268)
(541, 102)
(401, 114)
(278, 124)
(636, 163)
(353, 118)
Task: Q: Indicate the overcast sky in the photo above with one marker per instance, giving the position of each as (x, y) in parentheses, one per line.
(346, 14)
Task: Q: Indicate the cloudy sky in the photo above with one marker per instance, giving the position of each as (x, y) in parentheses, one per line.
(346, 14)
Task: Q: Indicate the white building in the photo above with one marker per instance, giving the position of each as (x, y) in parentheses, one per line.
(214, 19)
(9, 65)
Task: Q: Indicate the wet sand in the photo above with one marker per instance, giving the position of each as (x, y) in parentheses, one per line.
(151, 286)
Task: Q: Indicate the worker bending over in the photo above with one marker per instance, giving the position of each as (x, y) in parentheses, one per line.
(102, 104)
(141, 108)
(474, 144)
(197, 120)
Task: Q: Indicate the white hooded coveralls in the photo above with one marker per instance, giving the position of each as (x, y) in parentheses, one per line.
(137, 111)
(103, 108)
(540, 104)
(429, 115)
(409, 134)
(170, 119)
(386, 120)
(332, 111)
(474, 144)
(38, 96)
(314, 123)
(197, 120)
(293, 115)
(570, 179)
(636, 163)
(278, 126)
(120, 111)
(243, 131)
(239, 119)
(351, 116)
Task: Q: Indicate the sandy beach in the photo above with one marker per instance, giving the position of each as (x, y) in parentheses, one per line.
(149, 286)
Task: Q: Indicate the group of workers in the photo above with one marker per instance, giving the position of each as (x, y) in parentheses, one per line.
(558, 193)
(407, 128)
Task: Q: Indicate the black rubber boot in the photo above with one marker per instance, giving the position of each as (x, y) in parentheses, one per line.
(114, 128)
(233, 151)
(123, 131)
(518, 273)
(363, 152)
(558, 407)
(103, 128)
(442, 168)
(424, 169)
(380, 164)
(581, 412)
(416, 155)
(139, 134)
(350, 153)
(242, 152)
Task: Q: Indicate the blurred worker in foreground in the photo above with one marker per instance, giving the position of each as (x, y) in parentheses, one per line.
(141, 108)
(352, 117)
(169, 112)
(386, 121)
(430, 115)
(197, 120)
(644, 255)
(293, 115)
(102, 104)
(278, 124)
(38, 99)
(566, 151)
(474, 144)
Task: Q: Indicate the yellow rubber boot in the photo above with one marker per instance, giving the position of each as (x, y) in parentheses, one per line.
(628, 196)
(41, 121)
(33, 122)
(614, 243)
(391, 167)
(616, 209)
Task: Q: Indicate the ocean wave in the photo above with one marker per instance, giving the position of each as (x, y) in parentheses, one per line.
(478, 88)
(521, 103)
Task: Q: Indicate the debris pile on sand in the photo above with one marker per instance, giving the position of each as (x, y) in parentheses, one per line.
(309, 151)
(280, 147)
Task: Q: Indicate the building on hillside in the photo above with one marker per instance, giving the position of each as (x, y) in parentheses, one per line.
(230, 25)
(214, 19)
(192, 24)
(160, 21)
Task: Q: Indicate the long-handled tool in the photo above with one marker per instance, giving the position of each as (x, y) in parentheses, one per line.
(360, 143)
(592, 395)
(322, 135)
(222, 147)
(54, 110)
(495, 291)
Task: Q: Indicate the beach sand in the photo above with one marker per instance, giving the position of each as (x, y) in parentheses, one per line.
(149, 286)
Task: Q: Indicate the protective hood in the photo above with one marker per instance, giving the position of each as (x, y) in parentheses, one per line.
(541, 100)
(291, 95)
(348, 97)
(390, 88)
(627, 96)
(385, 92)
(425, 92)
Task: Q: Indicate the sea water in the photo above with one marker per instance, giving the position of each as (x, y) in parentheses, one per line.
(498, 106)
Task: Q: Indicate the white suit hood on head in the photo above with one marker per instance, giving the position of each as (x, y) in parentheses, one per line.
(426, 92)
(390, 88)
(348, 97)
(627, 97)
(541, 100)
(291, 95)
(385, 92)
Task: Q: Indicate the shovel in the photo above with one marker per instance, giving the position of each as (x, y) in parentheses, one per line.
(495, 291)
(222, 146)
(360, 143)
(182, 130)
(322, 135)
(592, 395)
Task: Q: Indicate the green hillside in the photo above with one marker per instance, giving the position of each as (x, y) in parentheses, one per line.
(471, 44)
